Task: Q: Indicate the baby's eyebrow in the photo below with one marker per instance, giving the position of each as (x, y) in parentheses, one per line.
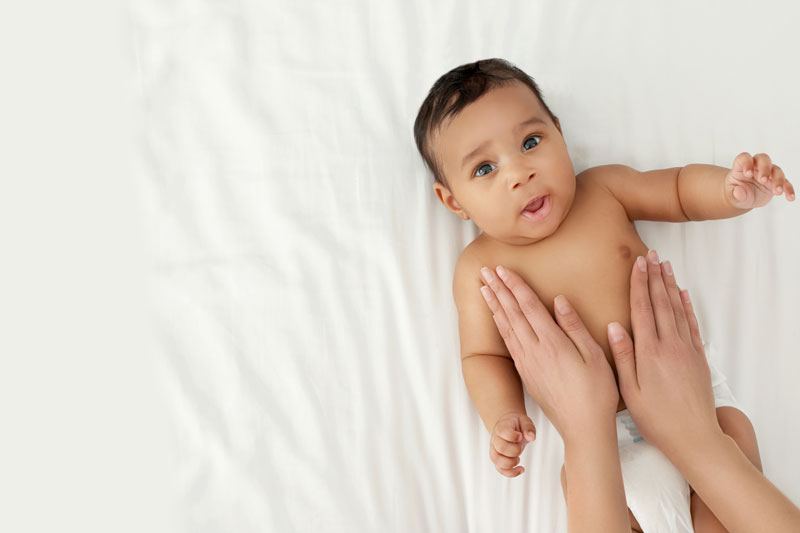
(533, 120)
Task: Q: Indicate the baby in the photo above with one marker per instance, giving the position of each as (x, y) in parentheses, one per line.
(498, 157)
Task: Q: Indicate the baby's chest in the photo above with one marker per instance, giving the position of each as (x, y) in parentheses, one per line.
(592, 271)
(589, 263)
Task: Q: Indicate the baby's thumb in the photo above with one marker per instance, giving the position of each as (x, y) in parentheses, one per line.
(528, 429)
(622, 350)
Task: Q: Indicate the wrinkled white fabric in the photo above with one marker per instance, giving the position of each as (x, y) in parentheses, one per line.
(308, 337)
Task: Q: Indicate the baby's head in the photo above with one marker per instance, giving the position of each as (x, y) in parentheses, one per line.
(487, 158)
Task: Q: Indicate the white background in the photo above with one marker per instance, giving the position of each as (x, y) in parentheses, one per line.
(226, 282)
(83, 431)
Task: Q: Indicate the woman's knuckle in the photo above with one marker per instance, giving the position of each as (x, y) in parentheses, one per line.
(571, 322)
(505, 330)
(597, 352)
(527, 306)
(642, 304)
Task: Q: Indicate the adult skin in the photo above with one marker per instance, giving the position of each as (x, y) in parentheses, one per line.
(665, 381)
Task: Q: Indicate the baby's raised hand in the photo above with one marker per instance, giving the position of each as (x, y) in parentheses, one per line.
(510, 435)
(754, 180)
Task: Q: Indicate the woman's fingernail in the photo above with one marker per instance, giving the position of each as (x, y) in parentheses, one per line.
(685, 296)
(667, 268)
(641, 264)
(485, 292)
(562, 305)
(501, 272)
(615, 332)
(652, 255)
(487, 274)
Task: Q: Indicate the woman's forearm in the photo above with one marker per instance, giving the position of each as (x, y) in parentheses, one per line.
(595, 494)
(735, 491)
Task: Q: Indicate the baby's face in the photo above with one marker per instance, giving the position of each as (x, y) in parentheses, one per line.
(517, 163)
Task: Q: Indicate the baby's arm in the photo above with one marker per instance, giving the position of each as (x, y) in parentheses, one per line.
(489, 372)
(679, 194)
(494, 386)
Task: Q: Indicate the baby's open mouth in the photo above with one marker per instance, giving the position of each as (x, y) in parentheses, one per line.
(535, 205)
(538, 209)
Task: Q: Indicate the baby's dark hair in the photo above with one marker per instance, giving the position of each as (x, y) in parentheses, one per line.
(469, 82)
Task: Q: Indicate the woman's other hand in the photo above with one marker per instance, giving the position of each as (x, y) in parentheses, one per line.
(664, 376)
(562, 367)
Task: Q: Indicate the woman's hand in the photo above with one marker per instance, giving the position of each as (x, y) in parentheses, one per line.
(561, 365)
(664, 376)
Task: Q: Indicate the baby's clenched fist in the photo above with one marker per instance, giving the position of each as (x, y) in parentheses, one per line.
(510, 435)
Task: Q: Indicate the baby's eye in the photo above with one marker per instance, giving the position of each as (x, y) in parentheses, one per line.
(478, 170)
(531, 137)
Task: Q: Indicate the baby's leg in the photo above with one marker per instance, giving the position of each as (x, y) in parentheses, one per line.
(635, 527)
(737, 426)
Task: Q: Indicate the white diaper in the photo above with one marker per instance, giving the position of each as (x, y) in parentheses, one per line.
(657, 493)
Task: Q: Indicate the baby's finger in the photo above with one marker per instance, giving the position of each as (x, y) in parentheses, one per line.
(528, 428)
(777, 181)
(511, 472)
(743, 163)
(509, 449)
(763, 165)
(789, 191)
(501, 461)
(508, 432)
(785, 183)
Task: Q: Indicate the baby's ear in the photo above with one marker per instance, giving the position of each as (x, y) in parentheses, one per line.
(448, 200)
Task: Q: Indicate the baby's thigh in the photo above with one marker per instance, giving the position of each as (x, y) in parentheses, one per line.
(703, 520)
(737, 426)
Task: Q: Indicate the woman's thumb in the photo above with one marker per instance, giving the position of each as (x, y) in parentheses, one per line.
(528, 429)
(622, 350)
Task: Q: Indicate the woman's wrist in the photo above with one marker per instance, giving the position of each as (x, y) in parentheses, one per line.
(695, 448)
(595, 493)
(723, 477)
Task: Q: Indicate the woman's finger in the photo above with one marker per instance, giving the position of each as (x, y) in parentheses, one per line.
(501, 321)
(694, 327)
(624, 359)
(659, 300)
(522, 327)
(642, 320)
(573, 326)
(675, 300)
(527, 309)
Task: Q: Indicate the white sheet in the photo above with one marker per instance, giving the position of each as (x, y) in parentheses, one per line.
(303, 274)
